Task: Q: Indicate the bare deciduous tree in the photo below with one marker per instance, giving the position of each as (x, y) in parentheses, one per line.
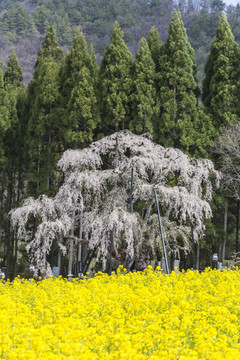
(228, 150)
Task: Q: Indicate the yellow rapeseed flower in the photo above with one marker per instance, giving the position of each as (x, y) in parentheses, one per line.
(142, 315)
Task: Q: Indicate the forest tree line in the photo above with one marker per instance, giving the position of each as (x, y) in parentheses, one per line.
(23, 24)
(71, 101)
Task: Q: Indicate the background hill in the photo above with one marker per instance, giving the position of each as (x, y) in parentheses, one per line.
(23, 24)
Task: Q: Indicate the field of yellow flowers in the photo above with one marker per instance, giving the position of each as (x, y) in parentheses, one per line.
(137, 316)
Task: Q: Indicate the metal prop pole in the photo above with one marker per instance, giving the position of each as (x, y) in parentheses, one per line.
(111, 242)
(130, 210)
(160, 225)
(193, 247)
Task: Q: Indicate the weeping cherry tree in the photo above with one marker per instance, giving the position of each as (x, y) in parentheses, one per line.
(95, 198)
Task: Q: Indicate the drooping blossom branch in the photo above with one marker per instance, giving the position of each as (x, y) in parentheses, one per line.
(101, 175)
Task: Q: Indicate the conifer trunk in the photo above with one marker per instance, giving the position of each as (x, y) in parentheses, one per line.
(49, 154)
(15, 258)
(8, 230)
(225, 231)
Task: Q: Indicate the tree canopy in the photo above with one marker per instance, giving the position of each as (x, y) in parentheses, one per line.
(178, 103)
(101, 194)
(115, 82)
(220, 86)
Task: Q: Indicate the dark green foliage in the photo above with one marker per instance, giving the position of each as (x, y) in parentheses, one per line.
(213, 241)
(178, 103)
(50, 47)
(64, 30)
(217, 6)
(201, 33)
(201, 29)
(75, 60)
(12, 168)
(43, 129)
(204, 134)
(17, 20)
(79, 101)
(115, 83)
(154, 43)
(93, 64)
(43, 133)
(4, 106)
(82, 111)
(13, 72)
(220, 86)
(42, 18)
(144, 96)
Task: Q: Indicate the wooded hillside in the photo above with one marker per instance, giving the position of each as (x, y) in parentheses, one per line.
(23, 24)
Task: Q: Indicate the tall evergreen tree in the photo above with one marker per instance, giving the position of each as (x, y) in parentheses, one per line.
(83, 111)
(15, 93)
(13, 72)
(74, 61)
(115, 82)
(79, 100)
(4, 107)
(217, 6)
(49, 50)
(94, 65)
(144, 107)
(220, 86)
(12, 172)
(44, 122)
(49, 47)
(178, 103)
(220, 97)
(154, 43)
